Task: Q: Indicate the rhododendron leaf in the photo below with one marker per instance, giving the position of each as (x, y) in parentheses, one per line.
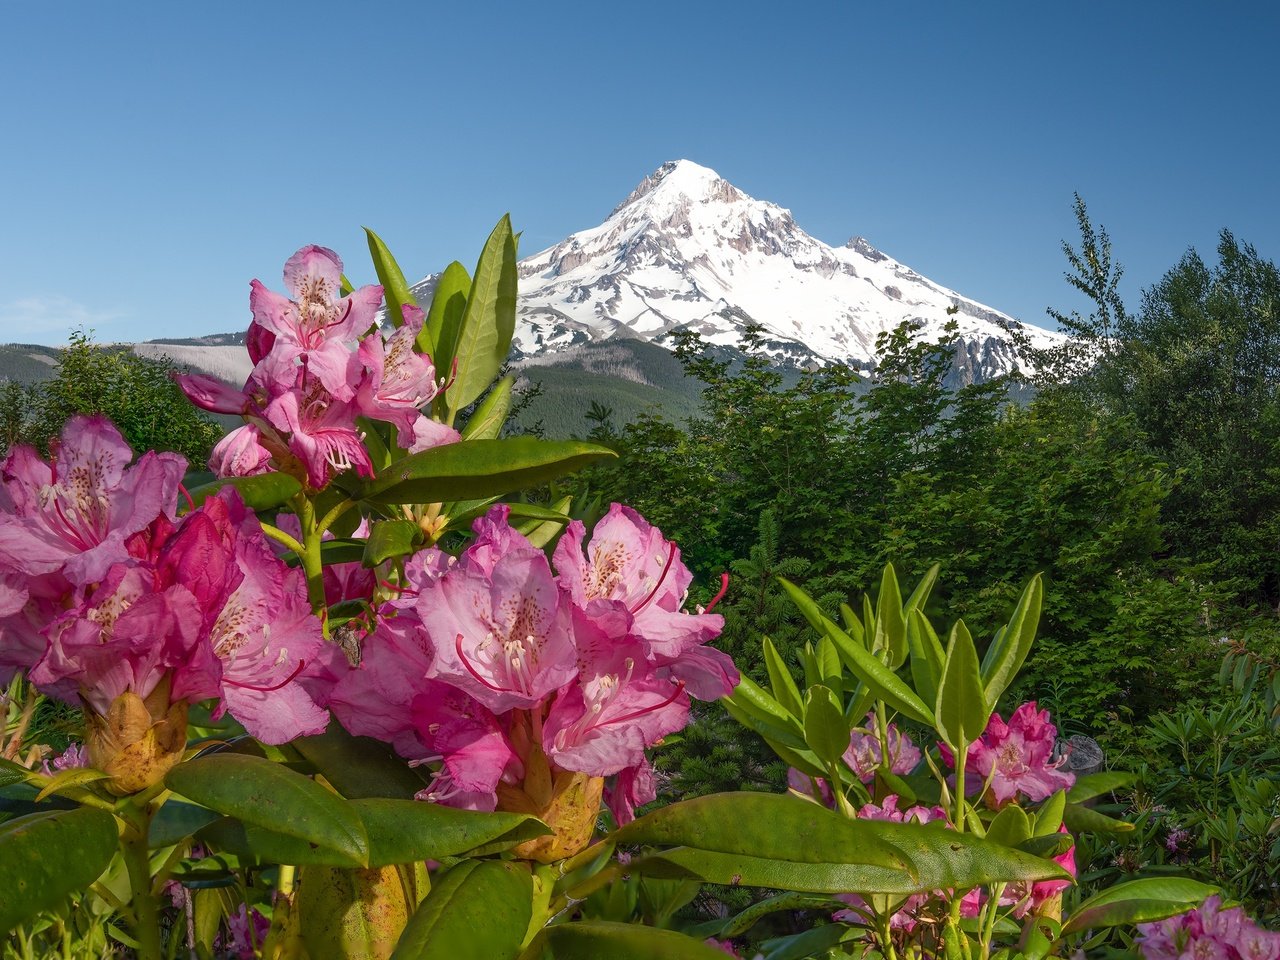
(852, 624)
(889, 782)
(744, 869)
(1010, 827)
(1048, 847)
(403, 831)
(176, 821)
(389, 538)
(814, 942)
(44, 857)
(1093, 785)
(269, 795)
(1049, 817)
(11, 773)
(920, 595)
(1138, 901)
(68, 780)
(829, 667)
(359, 767)
(444, 319)
(825, 729)
(594, 939)
(1007, 653)
(477, 910)
(740, 923)
(891, 628)
(254, 844)
(927, 656)
(961, 711)
(394, 286)
(1082, 819)
(781, 683)
(377, 440)
(351, 914)
(541, 534)
(489, 320)
(487, 420)
(751, 698)
(459, 471)
(265, 491)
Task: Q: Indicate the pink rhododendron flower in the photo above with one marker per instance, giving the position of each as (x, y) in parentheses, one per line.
(1027, 898)
(1017, 756)
(321, 431)
(1209, 932)
(864, 753)
(630, 789)
(317, 326)
(22, 639)
(429, 433)
(74, 513)
(246, 931)
(475, 749)
(398, 381)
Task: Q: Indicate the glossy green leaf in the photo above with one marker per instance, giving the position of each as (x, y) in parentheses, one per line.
(254, 844)
(1082, 819)
(359, 767)
(395, 289)
(269, 795)
(814, 942)
(11, 773)
(477, 910)
(444, 319)
(598, 939)
(480, 468)
(825, 729)
(489, 320)
(1005, 656)
(65, 781)
(1138, 901)
(388, 539)
(44, 857)
(487, 420)
(891, 628)
(176, 821)
(927, 656)
(886, 684)
(402, 831)
(961, 710)
(852, 625)
(266, 491)
(350, 914)
(1096, 784)
(1010, 827)
(920, 595)
(829, 666)
(1049, 817)
(341, 550)
(552, 526)
(784, 688)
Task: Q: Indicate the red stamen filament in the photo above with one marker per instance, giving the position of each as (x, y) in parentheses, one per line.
(191, 504)
(640, 713)
(671, 556)
(724, 588)
(283, 683)
(457, 645)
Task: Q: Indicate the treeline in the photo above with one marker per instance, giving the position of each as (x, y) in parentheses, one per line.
(1143, 480)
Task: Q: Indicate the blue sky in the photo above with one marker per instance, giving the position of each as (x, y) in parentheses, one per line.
(156, 157)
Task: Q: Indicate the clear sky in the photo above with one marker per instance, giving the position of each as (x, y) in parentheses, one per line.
(156, 157)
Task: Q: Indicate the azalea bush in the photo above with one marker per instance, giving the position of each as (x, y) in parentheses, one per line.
(351, 696)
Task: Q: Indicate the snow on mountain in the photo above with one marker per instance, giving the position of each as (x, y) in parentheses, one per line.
(689, 249)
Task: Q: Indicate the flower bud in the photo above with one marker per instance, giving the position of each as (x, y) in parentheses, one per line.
(571, 813)
(138, 741)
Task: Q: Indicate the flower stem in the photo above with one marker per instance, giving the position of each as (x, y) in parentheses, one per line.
(312, 566)
(146, 911)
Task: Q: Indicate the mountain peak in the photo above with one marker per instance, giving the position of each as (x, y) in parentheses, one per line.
(678, 180)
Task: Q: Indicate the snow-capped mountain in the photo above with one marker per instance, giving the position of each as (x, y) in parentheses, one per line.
(688, 249)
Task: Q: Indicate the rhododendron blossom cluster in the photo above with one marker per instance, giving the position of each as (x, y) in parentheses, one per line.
(1208, 931)
(864, 756)
(318, 364)
(136, 612)
(1016, 758)
(515, 676)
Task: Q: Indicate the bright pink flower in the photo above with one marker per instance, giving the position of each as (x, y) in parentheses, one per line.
(1017, 756)
(630, 789)
(212, 394)
(1026, 899)
(864, 754)
(316, 326)
(398, 381)
(321, 431)
(72, 758)
(246, 932)
(816, 788)
(240, 453)
(888, 810)
(474, 748)
(74, 513)
(429, 433)
(22, 640)
(504, 637)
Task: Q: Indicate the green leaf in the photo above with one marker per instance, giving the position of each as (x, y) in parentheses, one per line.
(444, 319)
(557, 518)
(597, 939)
(927, 656)
(1138, 901)
(66, 780)
(402, 831)
(886, 684)
(1096, 784)
(359, 767)
(341, 550)
(11, 773)
(1049, 817)
(480, 468)
(268, 795)
(825, 729)
(266, 491)
(1010, 827)
(176, 821)
(487, 420)
(45, 857)
(891, 628)
(784, 688)
(1006, 655)
(390, 538)
(962, 709)
(852, 624)
(254, 844)
(395, 289)
(1082, 819)
(920, 595)
(478, 910)
(489, 320)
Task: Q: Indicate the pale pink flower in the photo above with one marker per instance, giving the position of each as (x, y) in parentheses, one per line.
(321, 431)
(1208, 931)
(429, 433)
(74, 513)
(241, 453)
(317, 326)
(864, 753)
(398, 381)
